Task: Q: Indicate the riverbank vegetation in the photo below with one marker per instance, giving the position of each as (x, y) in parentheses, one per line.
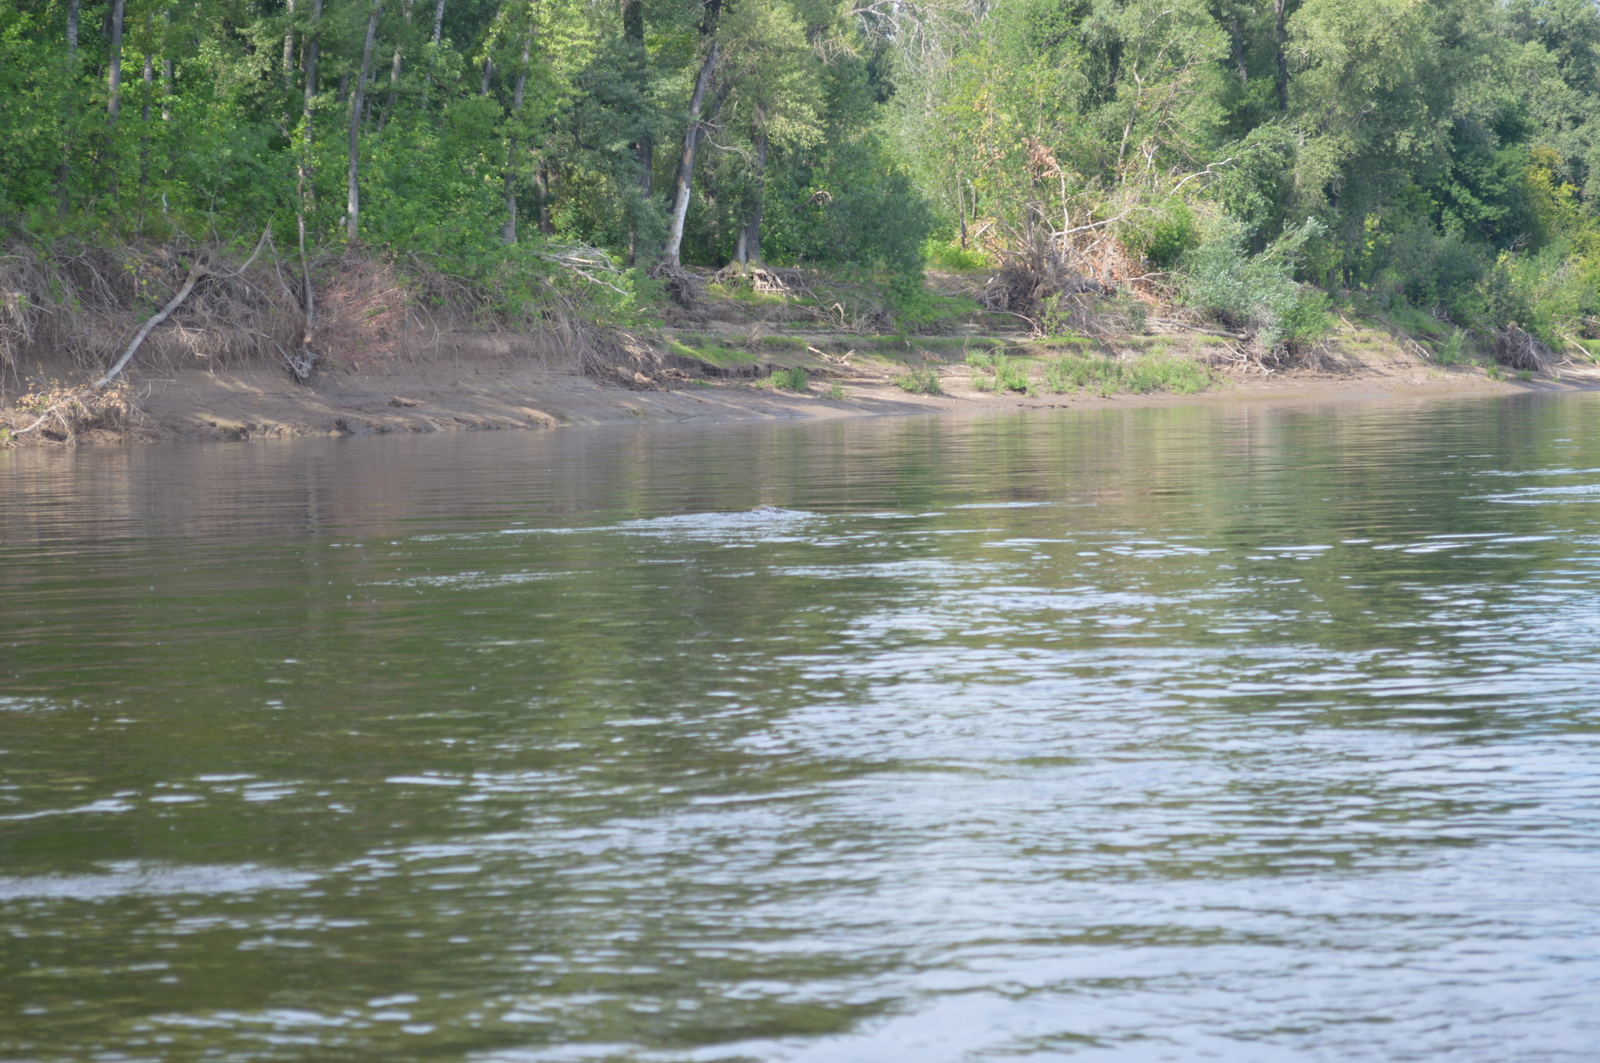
(587, 171)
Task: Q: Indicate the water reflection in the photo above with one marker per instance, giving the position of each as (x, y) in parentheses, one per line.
(1256, 732)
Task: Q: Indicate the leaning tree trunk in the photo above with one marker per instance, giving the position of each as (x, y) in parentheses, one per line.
(691, 141)
(508, 231)
(353, 201)
(749, 251)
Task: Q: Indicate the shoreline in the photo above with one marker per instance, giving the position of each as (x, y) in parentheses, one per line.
(478, 388)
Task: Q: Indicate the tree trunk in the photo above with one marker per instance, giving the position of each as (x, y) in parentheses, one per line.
(353, 201)
(1281, 69)
(508, 232)
(288, 48)
(114, 92)
(691, 141)
(750, 238)
(633, 30)
(394, 87)
(541, 185)
(438, 29)
(1238, 50)
(64, 167)
(303, 171)
(144, 134)
(488, 69)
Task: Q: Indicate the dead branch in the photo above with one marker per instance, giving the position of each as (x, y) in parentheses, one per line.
(161, 315)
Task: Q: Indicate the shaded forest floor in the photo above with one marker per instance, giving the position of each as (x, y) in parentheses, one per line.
(737, 354)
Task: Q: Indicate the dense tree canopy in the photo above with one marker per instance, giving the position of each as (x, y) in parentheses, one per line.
(1444, 154)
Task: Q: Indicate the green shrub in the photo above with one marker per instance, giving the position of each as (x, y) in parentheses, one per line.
(1256, 292)
(1449, 352)
(923, 381)
(790, 379)
(1164, 235)
(997, 372)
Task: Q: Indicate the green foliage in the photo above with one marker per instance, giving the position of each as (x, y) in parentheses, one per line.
(995, 371)
(948, 254)
(1256, 292)
(1162, 235)
(794, 379)
(923, 381)
(1155, 371)
(1450, 352)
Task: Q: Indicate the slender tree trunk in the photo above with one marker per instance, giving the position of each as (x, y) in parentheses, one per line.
(961, 211)
(541, 186)
(750, 238)
(144, 134)
(394, 88)
(303, 185)
(488, 69)
(1238, 50)
(353, 201)
(1281, 69)
(64, 167)
(691, 141)
(633, 30)
(394, 73)
(438, 30)
(114, 93)
(288, 49)
(508, 232)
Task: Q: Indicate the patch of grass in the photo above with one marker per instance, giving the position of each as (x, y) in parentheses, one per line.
(783, 343)
(1156, 371)
(790, 379)
(715, 354)
(997, 372)
(951, 255)
(836, 391)
(923, 381)
(1524, 374)
(1493, 370)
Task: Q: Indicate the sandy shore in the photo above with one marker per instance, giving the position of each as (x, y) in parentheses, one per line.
(486, 389)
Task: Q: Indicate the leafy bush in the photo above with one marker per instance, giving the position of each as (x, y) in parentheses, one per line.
(923, 381)
(1163, 236)
(790, 379)
(1256, 292)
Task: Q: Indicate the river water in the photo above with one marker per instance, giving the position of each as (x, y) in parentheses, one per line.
(1226, 732)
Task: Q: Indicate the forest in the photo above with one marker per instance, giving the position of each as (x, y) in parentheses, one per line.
(1253, 161)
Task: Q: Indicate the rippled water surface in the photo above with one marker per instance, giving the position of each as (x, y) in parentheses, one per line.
(1231, 733)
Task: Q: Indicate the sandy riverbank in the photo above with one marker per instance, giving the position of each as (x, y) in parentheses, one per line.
(479, 385)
